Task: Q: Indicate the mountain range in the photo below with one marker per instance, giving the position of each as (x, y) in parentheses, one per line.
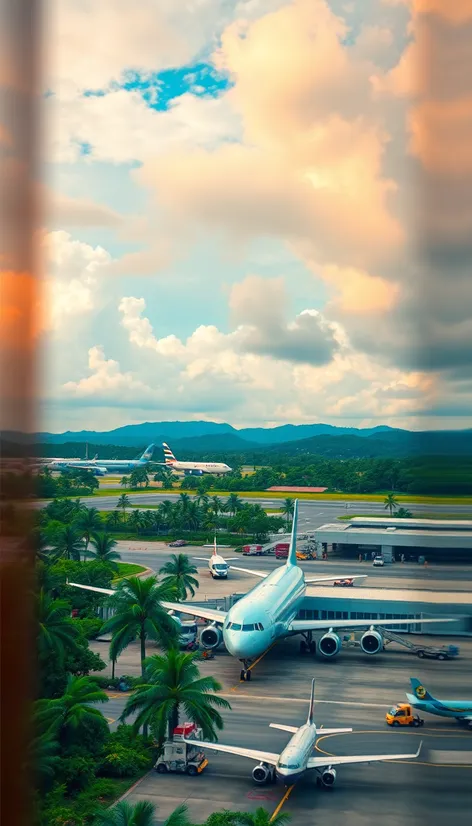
(216, 441)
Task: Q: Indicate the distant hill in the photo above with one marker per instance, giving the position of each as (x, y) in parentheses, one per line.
(137, 435)
(387, 444)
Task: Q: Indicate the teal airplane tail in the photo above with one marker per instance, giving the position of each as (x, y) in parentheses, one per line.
(292, 554)
(419, 691)
(311, 710)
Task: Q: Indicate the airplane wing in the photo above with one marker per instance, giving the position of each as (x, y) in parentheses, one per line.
(193, 610)
(207, 558)
(326, 760)
(297, 626)
(260, 574)
(312, 579)
(253, 754)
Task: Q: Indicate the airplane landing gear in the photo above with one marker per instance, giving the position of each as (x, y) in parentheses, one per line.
(245, 675)
(307, 644)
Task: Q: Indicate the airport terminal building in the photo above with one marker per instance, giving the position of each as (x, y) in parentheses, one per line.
(435, 539)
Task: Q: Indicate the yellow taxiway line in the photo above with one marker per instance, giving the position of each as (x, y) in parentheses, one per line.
(284, 799)
(234, 688)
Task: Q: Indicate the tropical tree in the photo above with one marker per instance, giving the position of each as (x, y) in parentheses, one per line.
(57, 633)
(262, 817)
(178, 575)
(140, 814)
(75, 709)
(287, 510)
(216, 505)
(166, 509)
(125, 482)
(203, 501)
(68, 543)
(124, 502)
(139, 477)
(184, 501)
(136, 522)
(88, 522)
(391, 502)
(113, 519)
(139, 615)
(173, 682)
(232, 504)
(103, 548)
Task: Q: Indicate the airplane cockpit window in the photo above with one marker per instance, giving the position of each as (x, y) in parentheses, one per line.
(259, 626)
(235, 626)
(248, 627)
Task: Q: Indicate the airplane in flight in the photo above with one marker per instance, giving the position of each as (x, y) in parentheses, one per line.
(297, 757)
(424, 701)
(102, 466)
(269, 612)
(217, 564)
(192, 468)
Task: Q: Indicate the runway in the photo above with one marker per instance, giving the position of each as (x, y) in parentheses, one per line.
(352, 691)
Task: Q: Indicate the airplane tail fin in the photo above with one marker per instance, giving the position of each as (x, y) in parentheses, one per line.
(311, 711)
(147, 455)
(419, 690)
(292, 554)
(215, 552)
(169, 457)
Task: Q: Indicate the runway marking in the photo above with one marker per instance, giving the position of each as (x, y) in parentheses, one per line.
(401, 762)
(284, 799)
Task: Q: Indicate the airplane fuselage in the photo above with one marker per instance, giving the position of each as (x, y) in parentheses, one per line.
(103, 465)
(202, 467)
(292, 763)
(457, 709)
(262, 616)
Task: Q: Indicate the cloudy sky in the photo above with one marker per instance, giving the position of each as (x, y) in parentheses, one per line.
(246, 217)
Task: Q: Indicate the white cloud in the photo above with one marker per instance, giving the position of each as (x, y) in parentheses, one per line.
(73, 269)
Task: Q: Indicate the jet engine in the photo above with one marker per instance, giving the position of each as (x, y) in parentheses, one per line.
(211, 636)
(193, 472)
(371, 642)
(328, 777)
(329, 645)
(260, 773)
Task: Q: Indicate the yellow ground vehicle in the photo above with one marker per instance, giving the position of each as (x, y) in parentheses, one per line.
(402, 715)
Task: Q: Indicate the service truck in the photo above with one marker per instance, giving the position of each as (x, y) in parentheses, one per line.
(177, 756)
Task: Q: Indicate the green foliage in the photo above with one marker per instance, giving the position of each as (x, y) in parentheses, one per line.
(125, 814)
(178, 575)
(140, 615)
(76, 773)
(102, 547)
(120, 761)
(172, 682)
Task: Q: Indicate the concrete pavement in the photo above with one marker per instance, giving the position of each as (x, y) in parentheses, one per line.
(354, 690)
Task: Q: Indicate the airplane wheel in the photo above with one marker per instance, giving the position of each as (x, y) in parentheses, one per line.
(242, 676)
(303, 647)
(248, 676)
(313, 648)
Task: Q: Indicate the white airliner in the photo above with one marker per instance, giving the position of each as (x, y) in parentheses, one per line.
(269, 612)
(102, 466)
(217, 564)
(192, 468)
(297, 756)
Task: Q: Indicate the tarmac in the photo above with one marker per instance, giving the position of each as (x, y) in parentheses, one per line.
(352, 690)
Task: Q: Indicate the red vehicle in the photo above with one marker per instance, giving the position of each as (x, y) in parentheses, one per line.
(343, 583)
(281, 550)
(252, 550)
(179, 543)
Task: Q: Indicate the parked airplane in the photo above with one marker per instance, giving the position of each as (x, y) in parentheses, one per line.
(297, 756)
(192, 468)
(102, 466)
(268, 613)
(217, 564)
(424, 701)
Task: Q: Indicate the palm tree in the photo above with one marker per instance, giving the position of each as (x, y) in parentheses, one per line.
(166, 509)
(403, 513)
(135, 522)
(261, 817)
(75, 708)
(203, 500)
(216, 505)
(141, 814)
(390, 502)
(173, 681)
(124, 482)
(139, 615)
(89, 522)
(56, 633)
(68, 543)
(113, 519)
(124, 502)
(232, 504)
(177, 573)
(103, 545)
(287, 510)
